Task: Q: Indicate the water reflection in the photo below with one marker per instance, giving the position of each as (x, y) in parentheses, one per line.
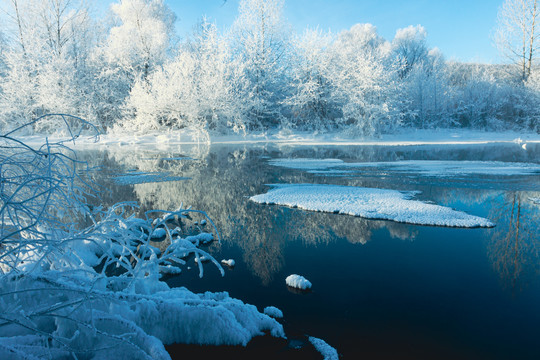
(222, 178)
(515, 244)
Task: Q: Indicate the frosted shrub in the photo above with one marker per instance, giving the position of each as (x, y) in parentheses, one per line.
(94, 291)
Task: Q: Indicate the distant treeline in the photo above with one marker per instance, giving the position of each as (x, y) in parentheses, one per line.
(130, 72)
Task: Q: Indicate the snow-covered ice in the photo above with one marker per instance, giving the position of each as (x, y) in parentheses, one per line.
(273, 311)
(369, 203)
(422, 167)
(298, 282)
(229, 262)
(328, 352)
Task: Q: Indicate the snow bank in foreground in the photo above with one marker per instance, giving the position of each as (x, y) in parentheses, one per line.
(328, 352)
(368, 203)
(423, 167)
(298, 282)
(273, 312)
(61, 315)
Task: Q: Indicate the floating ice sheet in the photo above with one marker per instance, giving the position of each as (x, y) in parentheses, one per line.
(423, 167)
(368, 203)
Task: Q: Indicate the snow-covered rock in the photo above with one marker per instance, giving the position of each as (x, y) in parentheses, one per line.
(369, 203)
(273, 311)
(229, 262)
(298, 282)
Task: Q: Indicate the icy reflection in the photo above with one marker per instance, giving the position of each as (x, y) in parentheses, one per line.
(515, 244)
(222, 178)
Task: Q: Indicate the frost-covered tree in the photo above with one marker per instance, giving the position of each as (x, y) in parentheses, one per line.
(518, 34)
(3, 50)
(310, 99)
(138, 42)
(410, 48)
(195, 90)
(47, 60)
(363, 81)
(422, 77)
(141, 38)
(261, 41)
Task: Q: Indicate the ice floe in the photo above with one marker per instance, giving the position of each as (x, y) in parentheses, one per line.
(298, 282)
(422, 167)
(370, 203)
(328, 352)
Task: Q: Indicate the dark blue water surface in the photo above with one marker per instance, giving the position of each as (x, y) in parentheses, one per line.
(380, 289)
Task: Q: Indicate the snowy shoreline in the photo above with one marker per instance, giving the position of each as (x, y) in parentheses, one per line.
(406, 137)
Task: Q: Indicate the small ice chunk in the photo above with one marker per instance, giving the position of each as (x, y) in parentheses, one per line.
(229, 263)
(273, 312)
(298, 282)
(328, 352)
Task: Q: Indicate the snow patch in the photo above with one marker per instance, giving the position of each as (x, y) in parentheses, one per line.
(328, 352)
(369, 203)
(298, 282)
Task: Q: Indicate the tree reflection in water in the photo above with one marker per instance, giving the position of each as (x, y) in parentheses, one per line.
(222, 178)
(514, 245)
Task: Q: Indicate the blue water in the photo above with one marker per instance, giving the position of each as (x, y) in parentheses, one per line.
(380, 289)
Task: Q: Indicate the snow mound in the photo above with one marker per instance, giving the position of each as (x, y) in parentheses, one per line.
(435, 168)
(535, 200)
(298, 282)
(369, 203)
(273, 311)
(229, 263)
(328, 352)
